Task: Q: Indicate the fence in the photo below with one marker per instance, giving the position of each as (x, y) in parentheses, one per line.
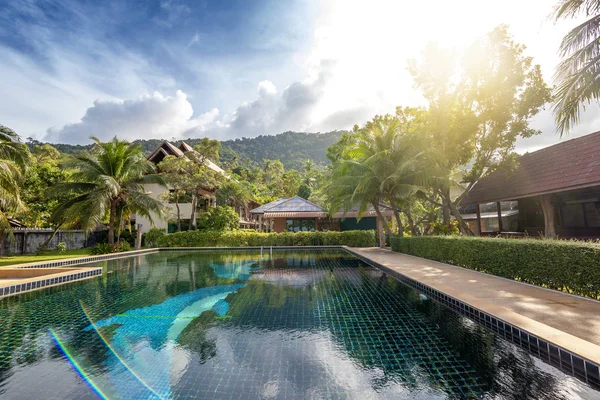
(28, 240)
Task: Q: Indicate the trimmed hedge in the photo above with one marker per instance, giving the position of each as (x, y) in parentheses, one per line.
(570, 266)
(240, 238)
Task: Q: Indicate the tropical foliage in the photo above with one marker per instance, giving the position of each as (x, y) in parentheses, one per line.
(14, 157)
(577, 74)
(108, 181)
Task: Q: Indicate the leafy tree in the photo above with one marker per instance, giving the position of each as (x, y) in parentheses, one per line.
(109, 177)
(173, 170)
(220, 218)
(577, 73)
(290, 183)
(14, 157)
(304, 191)
(36, 188)
(476, 114)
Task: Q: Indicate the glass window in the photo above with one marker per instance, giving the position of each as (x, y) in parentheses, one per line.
(289, 225)
(592, 214)
(572, 216)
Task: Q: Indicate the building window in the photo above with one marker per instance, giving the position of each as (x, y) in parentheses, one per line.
(300, 225)
(573, 216)
(592, 214)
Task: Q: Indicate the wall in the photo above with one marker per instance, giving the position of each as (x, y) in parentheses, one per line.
(29, 240)
(365, 224)
(157, 192)
(279, 225)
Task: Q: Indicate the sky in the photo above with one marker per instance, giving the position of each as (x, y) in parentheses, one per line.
(175, 69)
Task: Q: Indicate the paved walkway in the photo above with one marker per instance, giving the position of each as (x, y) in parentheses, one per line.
(568, 321)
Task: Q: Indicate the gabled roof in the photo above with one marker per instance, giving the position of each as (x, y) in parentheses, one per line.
(569, 165)
(385, 210)
(166, 148)
(290, 207)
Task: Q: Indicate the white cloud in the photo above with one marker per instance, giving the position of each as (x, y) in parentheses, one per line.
(152, 116)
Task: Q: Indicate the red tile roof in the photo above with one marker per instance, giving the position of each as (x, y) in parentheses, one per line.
(569, 165)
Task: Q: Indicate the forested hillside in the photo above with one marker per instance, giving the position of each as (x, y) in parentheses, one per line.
(291, 148)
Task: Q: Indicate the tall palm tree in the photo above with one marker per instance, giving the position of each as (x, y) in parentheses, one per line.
(379, 165)
(578, 74)
(13, 162)
(108, 179)
(235, 194)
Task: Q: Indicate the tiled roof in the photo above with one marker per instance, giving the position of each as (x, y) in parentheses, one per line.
(167, 148)
(569, 165)
(286, 205)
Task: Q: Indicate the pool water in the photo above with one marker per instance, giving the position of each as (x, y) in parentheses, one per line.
(233, 325)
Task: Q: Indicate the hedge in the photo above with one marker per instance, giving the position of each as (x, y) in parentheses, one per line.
(240, 238)
(570, 266)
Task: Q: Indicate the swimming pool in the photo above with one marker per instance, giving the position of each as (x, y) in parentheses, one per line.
(235, 325)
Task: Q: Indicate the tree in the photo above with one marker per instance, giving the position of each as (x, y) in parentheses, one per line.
(475, 114)
(14, 157)
(378, 165)
(577, 73)
(235, 194)
(177, 177)
(220, 218)
(107, 179)
(43, 174)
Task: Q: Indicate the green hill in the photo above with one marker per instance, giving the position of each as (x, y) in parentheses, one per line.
(291, 148)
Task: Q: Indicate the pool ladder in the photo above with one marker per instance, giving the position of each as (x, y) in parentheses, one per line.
(261, 252)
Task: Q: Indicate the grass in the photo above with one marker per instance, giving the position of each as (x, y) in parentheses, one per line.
(47, 256)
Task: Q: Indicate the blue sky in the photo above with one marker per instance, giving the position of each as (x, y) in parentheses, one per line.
(225, 69)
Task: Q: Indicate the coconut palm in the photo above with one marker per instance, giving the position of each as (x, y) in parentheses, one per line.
(577, 75)
(13, 162)
(107, 180)
(378, 165)
(235, 194)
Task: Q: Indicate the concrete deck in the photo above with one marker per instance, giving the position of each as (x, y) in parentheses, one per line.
(568, 321)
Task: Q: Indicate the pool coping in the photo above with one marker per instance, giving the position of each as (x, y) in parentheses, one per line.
(553, 346)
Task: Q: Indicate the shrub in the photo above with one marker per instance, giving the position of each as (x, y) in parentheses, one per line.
(569, 266)
(61, 246)
(152, 236)
(242, 238)
(105, 248)
(219, 218)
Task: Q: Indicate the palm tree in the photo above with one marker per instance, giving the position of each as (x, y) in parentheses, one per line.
(13, 162)
(577, 74)
(235, 194)
(379, 165)
(107, 180)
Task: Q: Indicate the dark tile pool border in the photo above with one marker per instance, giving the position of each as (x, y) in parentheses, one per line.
(81, 260)
(568, 362)
(49, 281)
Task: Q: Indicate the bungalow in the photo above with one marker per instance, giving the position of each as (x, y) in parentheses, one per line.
(158, 192)
(557, 190)
(300, 215)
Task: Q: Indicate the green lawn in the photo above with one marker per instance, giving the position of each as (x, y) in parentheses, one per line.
(47, 256)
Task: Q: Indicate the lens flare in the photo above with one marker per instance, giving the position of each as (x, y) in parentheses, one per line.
(121, 360)
(87, 379)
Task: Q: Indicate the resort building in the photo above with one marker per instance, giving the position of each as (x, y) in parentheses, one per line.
(206, 200)
(300, 215)
(554, 191)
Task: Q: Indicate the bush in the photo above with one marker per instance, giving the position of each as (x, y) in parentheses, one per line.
(61, 246)
(152, 236)
(569, 266)
(242, 238)
(219, 218)
(105, 248)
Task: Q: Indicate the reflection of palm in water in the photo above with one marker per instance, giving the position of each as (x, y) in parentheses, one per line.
(146, 338)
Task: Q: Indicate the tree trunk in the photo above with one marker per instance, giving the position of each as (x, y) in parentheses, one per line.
(462, 225)
(383, 221)
(45, 244)
(397, 216)
(111, 222)
(2, 233)
(411, 222)
(549, 222)
(446, 201)
(193, 224)
(178, 212)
